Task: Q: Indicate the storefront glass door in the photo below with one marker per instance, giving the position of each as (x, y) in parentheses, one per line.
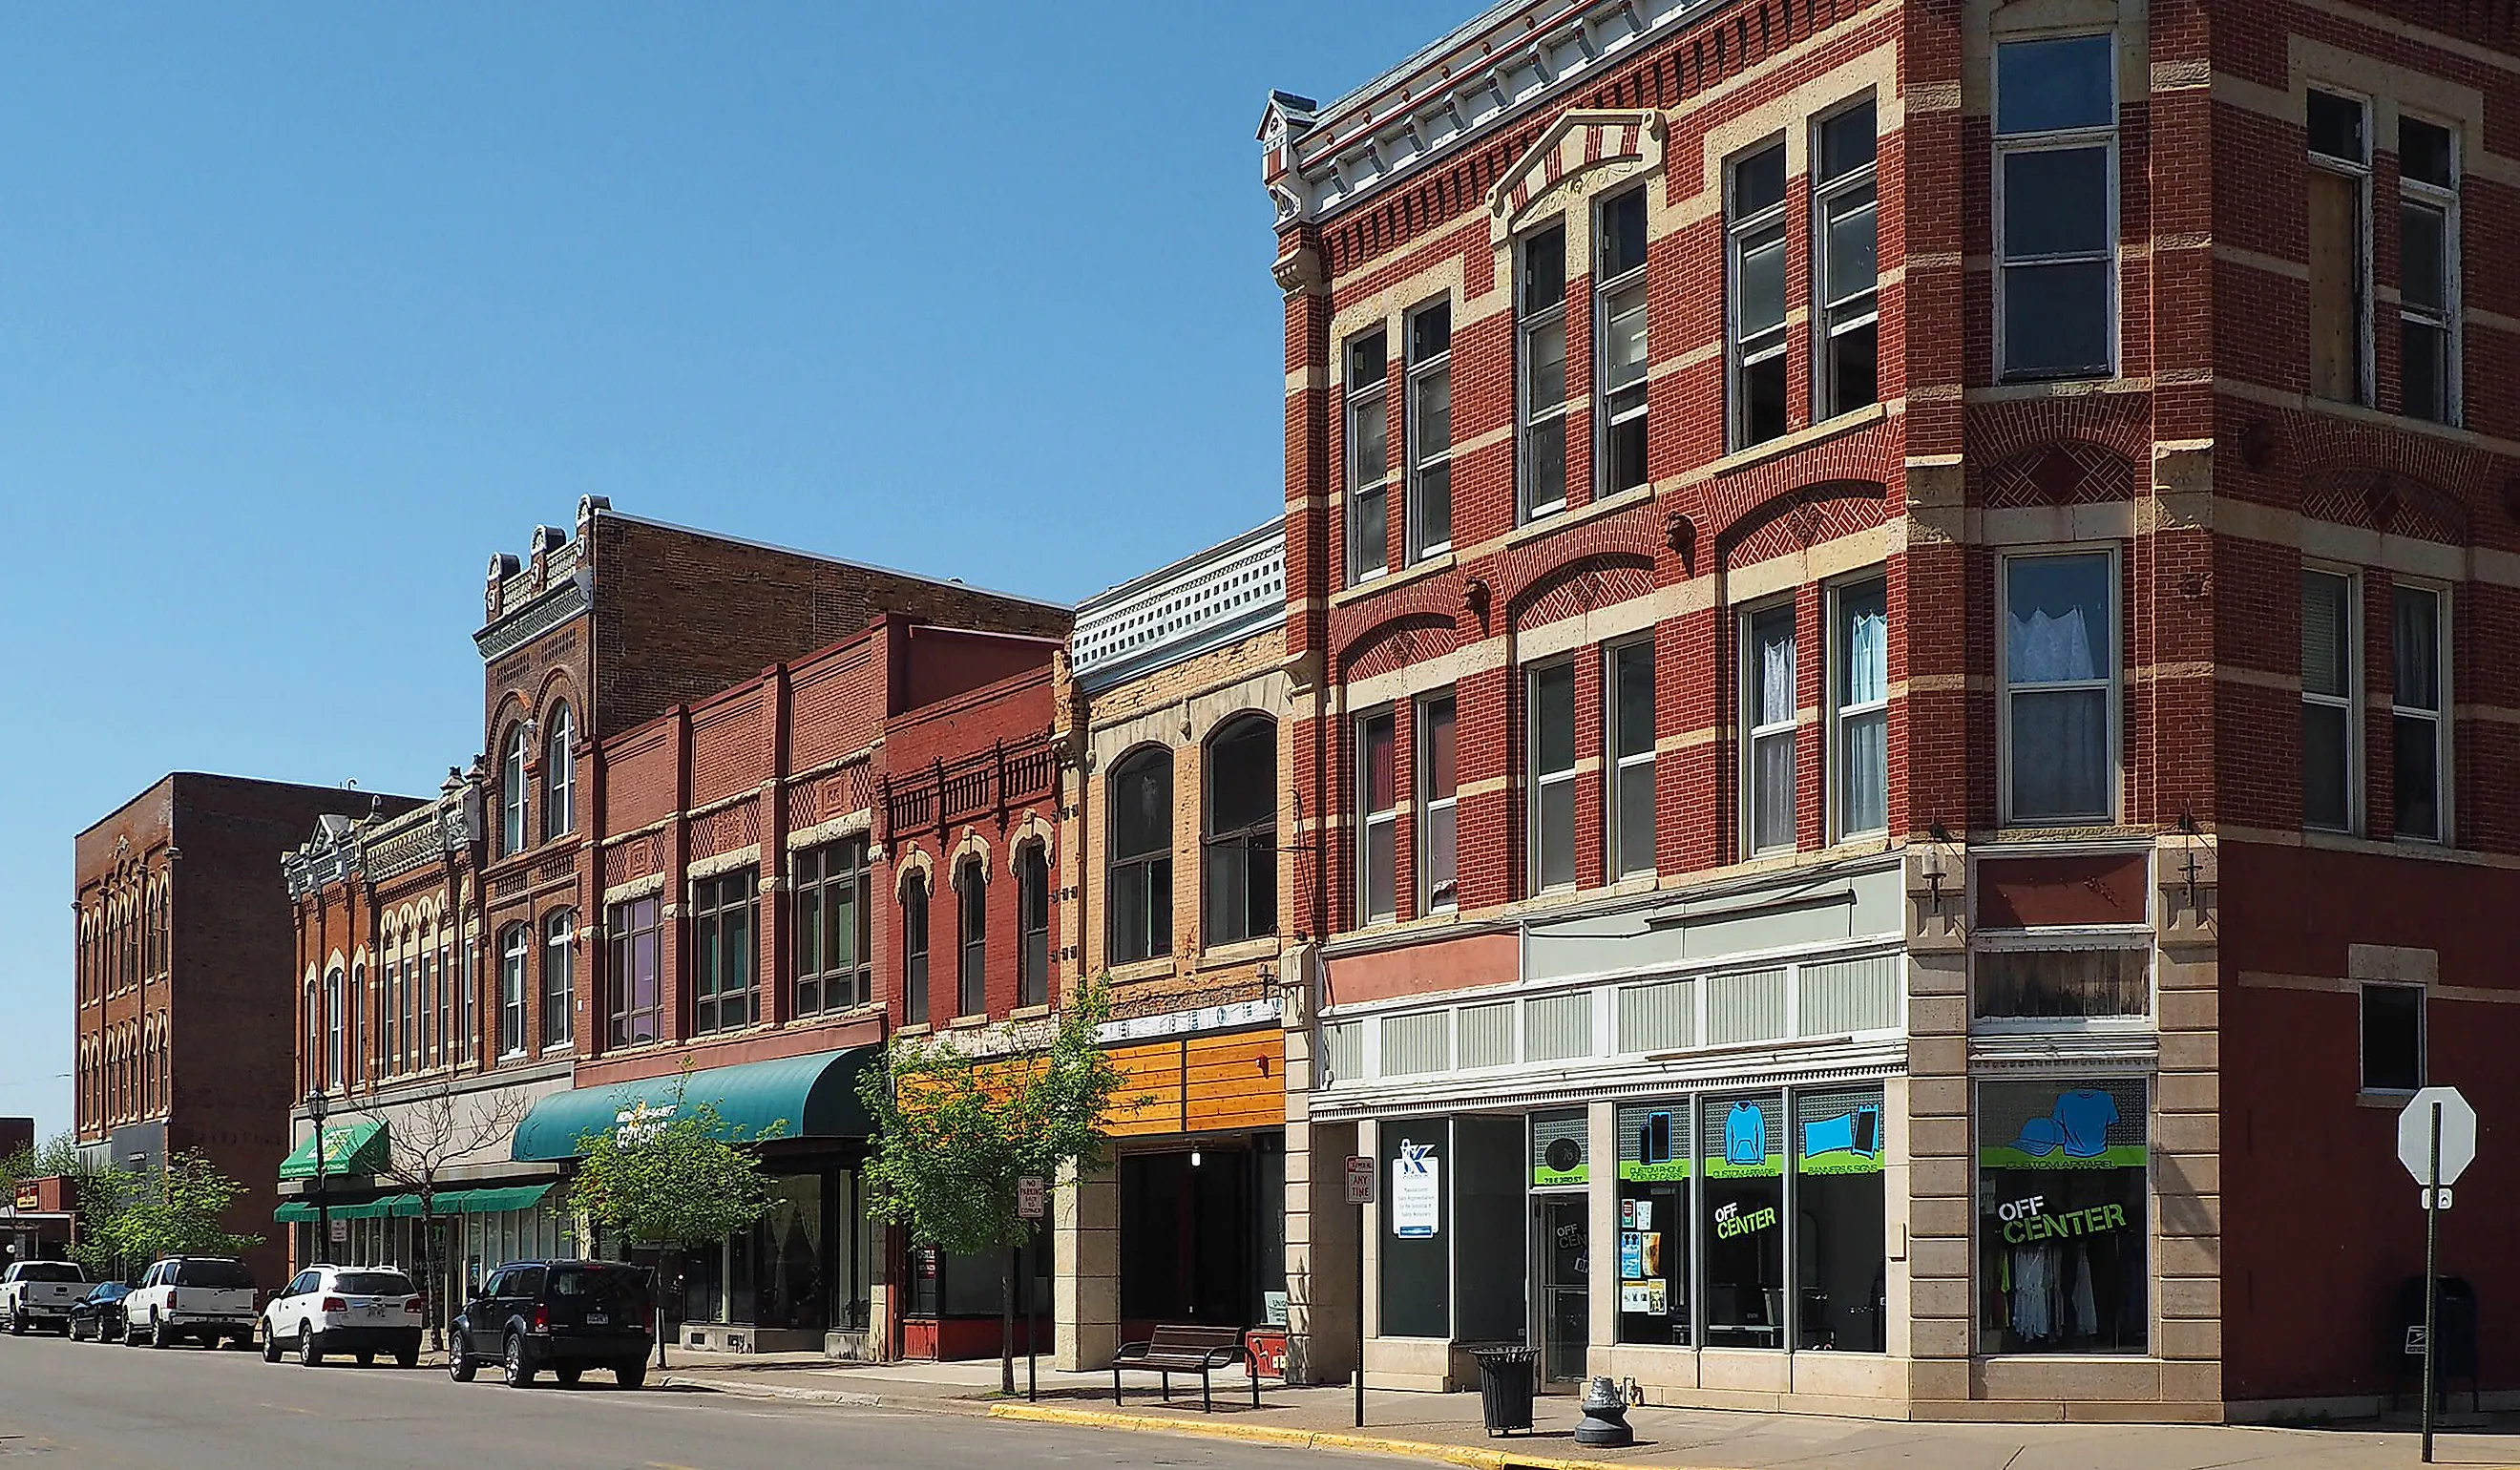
(1560, 1237)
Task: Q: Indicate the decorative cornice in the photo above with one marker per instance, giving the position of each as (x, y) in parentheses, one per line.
(1226, 593)
(568, 599)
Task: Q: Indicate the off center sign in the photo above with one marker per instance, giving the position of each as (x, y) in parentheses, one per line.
(2457, 1136)
(1360, 1180)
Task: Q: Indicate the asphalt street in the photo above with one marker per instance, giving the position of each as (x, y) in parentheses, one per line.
(99, 1407)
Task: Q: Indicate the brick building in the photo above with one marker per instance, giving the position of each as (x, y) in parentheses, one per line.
(1891, 607)
(183, 953)
(1174, 722)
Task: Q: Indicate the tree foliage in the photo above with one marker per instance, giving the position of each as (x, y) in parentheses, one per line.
(129, 1218)
(683, 1180)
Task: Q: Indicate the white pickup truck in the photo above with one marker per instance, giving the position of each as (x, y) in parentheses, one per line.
(205, 1298)
(40, 1294)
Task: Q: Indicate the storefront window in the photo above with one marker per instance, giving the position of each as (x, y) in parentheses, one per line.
(1415, 1245)
(1653, 1223)
(1743, 1146)
(1840, 1258)
(2061, 1216)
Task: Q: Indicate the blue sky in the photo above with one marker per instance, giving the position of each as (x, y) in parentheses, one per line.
(306, 311)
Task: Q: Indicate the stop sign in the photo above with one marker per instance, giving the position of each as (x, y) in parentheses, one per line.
(2457, 1136)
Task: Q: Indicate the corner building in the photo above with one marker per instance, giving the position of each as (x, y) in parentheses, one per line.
(1893, 613)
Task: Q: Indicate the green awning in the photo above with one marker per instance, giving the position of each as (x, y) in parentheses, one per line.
(348, 1149)
(495, 1202)
(813, 1097)
(447, 1202)
(292, 1212)
(379, 1208)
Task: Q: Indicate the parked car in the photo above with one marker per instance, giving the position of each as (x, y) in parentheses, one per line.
(209, 1299)
(361, 1310)
(99, 1313)
(40, 1294)
(564, 1316)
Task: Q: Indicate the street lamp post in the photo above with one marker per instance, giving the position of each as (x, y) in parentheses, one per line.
(317, 1106)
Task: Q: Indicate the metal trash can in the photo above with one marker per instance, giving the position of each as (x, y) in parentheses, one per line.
(1505, 1387)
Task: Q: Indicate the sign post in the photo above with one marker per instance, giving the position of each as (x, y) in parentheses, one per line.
(1031, 1203)
(1360, 1193)
(2436, 1141)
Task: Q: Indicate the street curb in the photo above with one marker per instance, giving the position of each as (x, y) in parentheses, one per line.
(1476, 1456)
(773, 1391)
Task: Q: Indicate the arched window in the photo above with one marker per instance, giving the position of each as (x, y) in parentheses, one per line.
(971, 928)
(1032, 924)
(336, 1062)
(514, 947)
(512, 793)
(914, 950)
(1141, 856)
(1239, 872)
(558, 993)
(560, 776)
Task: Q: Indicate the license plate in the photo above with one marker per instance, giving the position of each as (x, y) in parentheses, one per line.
(374, 1310)
(596, 1320)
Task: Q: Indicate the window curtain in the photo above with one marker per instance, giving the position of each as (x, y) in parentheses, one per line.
(2044, 650)
(1864, 739)
(1772, 759)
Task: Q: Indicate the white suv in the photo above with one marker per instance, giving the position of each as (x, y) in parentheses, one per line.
(361, 1310)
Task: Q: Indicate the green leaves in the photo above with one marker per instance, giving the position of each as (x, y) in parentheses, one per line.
(130, 1218)
(687, 1181)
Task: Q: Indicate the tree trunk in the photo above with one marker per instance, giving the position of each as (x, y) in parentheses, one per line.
(1006, 1322)
(433, 1269)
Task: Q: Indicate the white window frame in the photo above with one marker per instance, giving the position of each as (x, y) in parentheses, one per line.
(1861, 309)
(1836, 656)
(2448, 320)
(1420, 374)
(2059, 140)
(335, 1033)
(2351, 702)
(559, 775)
(1607, 416)
(559, 934)
(1527, 507)
(2362, 1035)
(2115, 682)
(1369, 818)
(513, 833)
(1754, 735)
(1537, 783)
(1623, 768)
(1429, 804)
(2138, 939)
(2366, 328)
(516, 962)
(1372, 399)
(2444, 779)
(1740, 356)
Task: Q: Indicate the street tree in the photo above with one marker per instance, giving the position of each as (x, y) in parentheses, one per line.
(430, 1134)
(673, 1177)
(959, 1124)
(176, 1209)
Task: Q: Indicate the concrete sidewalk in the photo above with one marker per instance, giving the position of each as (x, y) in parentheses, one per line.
(1446, 1427)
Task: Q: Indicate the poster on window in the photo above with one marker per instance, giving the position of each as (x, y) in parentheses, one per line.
(1416, 1191)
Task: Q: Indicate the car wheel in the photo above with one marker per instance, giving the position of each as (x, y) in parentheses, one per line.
(310, 1345)
(631, 1375)
(270, 1344)
(17, 1322)
(519, 1366)
(159, 1335)
(460, 1364)
(366, 1359)
(409, 1357)
(568, 1376)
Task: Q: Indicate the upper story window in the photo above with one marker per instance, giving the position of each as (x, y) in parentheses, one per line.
(559, 992)
(833, 928)
(2328, 720)
(1141, 856)
(1860, 707)
(1439, 822)
(971, 889)
(2336, 207)
(725, 912)
(512, 793)
(1032, 923)
(1430, 430)
(1368, 459)
(1755, 240)
(636, 937)
(1631, 804)
(1847, 235)
(2055, 192)
(2060, 687)
(1378, 790)
(337, 1057)
(1549, 739)
(1540, 377)
(1620, 358)
(914, 951)
(2429, 271)
(2392, 1037)
(1239, 871)
(516, 952)
(1768, 693)
(2419, 711)
(559, 775)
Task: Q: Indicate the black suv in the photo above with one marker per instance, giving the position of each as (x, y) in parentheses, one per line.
(564, 1316)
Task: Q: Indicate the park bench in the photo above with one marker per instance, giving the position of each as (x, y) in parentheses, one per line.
(1181, 1349)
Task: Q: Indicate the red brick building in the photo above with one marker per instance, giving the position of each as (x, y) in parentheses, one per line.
(1894, 606)
(183, 950)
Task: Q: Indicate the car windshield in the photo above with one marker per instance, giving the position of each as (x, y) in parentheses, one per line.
(623, 1288)
(111, 1291)
(214, 1275)
(49, 1270)
(372, 1283)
